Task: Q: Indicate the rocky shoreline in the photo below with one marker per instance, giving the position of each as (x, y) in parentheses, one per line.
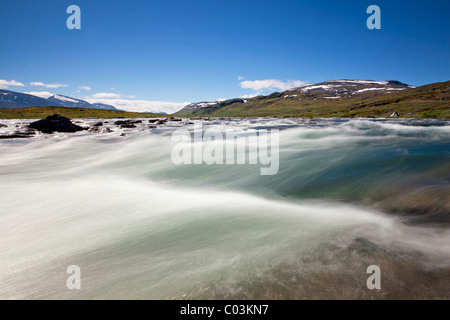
(13, 129)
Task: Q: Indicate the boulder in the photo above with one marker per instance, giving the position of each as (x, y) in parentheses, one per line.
(394, 114)
(55, 123)
(127, 123)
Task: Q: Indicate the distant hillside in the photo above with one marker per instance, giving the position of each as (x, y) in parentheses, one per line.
(11, 99)
(337, 98)
(103, 106)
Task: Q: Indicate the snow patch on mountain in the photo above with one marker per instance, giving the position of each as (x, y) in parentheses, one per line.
(362, 81)
(347, 87)
(197, 105)
(63, 98)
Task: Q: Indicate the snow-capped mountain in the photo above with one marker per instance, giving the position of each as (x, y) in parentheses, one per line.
(61, 100)
(337, 92)
(77, 103)
(11, 99)
(196, 105)
(103, 106)
(352, 87)
(333, 89)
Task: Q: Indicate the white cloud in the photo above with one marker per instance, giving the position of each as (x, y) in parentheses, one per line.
(248, 96)
(271, 84)
(106, 95)
(4, 84)
(109, 95)
(41, 94)
(141, 105)
(240, 78)
(87, 88)
(51, 85)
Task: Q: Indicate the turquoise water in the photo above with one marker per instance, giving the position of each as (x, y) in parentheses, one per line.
(348, 194)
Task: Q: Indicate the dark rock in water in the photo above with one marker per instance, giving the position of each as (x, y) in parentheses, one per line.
(54, 123)
(25, 133)
(100, 124)
(3, 125)
(153, 120)
(127, 125)
(19, 134)
(13, 136)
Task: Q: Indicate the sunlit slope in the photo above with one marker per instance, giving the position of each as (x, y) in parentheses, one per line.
(429, 101)
(42, 112)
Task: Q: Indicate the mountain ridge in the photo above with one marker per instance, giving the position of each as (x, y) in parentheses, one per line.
(336, 98)
(12, 100)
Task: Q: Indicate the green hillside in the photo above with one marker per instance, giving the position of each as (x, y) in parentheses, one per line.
(42, 112)
(429, 101)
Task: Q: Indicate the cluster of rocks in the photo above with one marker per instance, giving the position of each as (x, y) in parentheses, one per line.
(127, 123)
(16, 132)
(99, 128)
(130, 123)
(25, 133)
(214, 118)
(58, 123)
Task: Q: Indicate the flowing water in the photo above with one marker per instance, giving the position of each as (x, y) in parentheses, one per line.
(348, 194)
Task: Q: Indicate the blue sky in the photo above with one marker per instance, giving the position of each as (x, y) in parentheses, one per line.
(141, 53)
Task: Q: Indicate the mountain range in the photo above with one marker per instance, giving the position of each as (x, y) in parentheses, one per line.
(336, 98)
(12, 100)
